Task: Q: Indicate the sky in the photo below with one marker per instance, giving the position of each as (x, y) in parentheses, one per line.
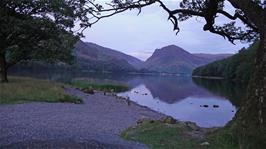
(139, 35)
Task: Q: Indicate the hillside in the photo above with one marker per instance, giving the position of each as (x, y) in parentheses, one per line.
(173, 59)
(116, 54)
(212, 57)
(169, 59)
(97, 58)
(237, 67)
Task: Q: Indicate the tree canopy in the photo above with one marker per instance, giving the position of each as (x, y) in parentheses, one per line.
(237, 67)
(39, 30)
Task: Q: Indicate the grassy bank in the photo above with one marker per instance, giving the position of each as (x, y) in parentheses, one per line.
(21, 89)
(158, 135)
(84, 84)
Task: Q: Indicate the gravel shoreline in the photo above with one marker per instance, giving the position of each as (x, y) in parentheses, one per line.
(95, 124)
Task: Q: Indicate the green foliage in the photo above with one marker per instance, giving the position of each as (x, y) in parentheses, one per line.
(237, 67)
(158, 135)
(83, 84)
(40, 30)
(223, 138)
(21, 90)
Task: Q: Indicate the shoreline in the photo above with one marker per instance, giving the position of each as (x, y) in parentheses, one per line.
(193, 125)
(208, 77)
(100, 118)
(99, 115)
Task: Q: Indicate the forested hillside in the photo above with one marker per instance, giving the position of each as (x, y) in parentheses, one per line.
(237, 67)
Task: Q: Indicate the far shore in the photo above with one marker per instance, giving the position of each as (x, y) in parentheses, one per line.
(208, 77)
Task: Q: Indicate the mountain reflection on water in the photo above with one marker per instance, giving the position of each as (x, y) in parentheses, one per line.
(209, 103)
(170, 89)
(185, 100)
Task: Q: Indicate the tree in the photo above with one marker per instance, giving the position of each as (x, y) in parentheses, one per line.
(251, 117)
(39, 30)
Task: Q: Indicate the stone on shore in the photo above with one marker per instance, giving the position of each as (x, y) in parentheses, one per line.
(88, 91)
(168, 120)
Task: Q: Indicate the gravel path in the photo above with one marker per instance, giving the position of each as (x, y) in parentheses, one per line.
(95, 124)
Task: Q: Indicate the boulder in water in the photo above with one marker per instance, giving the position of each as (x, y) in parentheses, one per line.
(215, 106)
(205, 106)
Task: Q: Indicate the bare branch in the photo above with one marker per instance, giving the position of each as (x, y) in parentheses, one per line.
(238, 16)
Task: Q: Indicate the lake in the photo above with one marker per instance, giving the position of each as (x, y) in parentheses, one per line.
(183, 99)
(208, 103)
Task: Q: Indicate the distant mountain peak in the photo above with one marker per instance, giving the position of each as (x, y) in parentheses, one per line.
(168, 59)
(172, 46)
(174, 59)
(171, 49)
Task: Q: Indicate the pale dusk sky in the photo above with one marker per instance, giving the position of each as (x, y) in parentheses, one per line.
(139, 35)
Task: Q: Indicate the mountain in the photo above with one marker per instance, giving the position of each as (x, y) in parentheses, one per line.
(136, 63)
(93, 57)
(237, 67)
(174, 59)
(169, 59)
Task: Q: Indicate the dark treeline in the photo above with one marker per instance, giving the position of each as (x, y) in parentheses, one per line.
(236, 92)
(237, 67)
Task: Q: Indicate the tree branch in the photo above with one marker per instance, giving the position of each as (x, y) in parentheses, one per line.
(238, 16)
(253, 11)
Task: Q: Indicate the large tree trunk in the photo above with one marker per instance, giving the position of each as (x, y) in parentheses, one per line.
(251, 117)
(3, 68)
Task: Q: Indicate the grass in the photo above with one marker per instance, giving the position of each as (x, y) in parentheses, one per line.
(22, 89)
(84, 84)
(158, 135)
(223, 138)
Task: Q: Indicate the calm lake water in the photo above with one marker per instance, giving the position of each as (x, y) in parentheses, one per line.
(183, 99)
(208, 103)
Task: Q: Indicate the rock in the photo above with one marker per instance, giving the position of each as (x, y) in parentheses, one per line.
(192, 125)
(145, 107)
(140, 121)
(136, 92)
(124, 99)
(168, 120)
(205, 144)
(109, 94)
(215, 106)
(143, 119)
(128, 101)
(205, 106)
(145, 94)
(88, 91)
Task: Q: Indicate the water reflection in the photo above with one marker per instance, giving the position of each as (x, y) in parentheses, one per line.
(170, 89)
(217, 111)
(206, 102)
(209, 103)
(233, 91)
